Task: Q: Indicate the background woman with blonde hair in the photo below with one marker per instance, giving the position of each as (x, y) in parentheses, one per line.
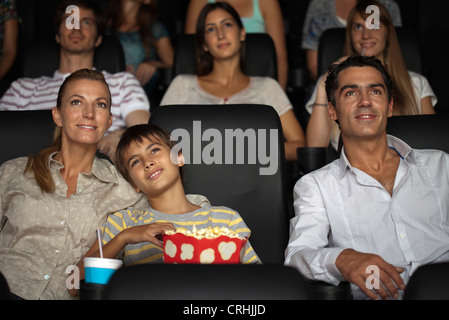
(412, 93)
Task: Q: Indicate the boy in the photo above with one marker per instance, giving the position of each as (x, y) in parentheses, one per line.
(145, 160)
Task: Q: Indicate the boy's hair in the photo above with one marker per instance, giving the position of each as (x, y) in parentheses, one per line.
(137, 133)
(355, 61)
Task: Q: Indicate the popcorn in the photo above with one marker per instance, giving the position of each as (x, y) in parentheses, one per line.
(206, 246)
(208, 233)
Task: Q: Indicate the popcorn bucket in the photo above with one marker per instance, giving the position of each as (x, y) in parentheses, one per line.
(182, 248)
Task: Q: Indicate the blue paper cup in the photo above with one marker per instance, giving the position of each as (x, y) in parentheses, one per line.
(100, 270)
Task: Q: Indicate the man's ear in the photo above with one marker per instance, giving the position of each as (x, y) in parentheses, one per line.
(58, 39)
(56, 116)
(98, 41)
(390, 108)
(332, 111)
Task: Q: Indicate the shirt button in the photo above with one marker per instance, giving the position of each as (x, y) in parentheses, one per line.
(57, 251)
(402, 235)
(79, 191)
(63, 223)
(47, 277)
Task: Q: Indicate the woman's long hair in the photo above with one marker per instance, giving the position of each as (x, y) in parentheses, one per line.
(38, 163)
(204, 59)
(148, 14)
(403, 93)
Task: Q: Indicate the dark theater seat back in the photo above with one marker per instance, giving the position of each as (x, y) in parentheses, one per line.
(24, 132)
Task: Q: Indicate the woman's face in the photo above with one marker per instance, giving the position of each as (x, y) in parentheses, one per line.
(85, 113)
(370, 42)
(222, 35)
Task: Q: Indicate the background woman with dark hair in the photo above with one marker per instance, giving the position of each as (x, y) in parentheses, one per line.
(220, 80)
(258, 16)
(145, 41)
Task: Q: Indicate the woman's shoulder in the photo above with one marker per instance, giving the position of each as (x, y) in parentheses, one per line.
(185, 77)
(418, 79)
(159, 30)
(14, 165)
(184, 80)
(267, 87)
(265, 81)
(416, 75)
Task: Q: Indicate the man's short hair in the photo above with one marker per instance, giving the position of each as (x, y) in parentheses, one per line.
(355, 61)
(60, 13)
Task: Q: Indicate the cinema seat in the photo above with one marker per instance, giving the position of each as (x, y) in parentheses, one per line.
(429, 282)
(260, 198)
(425, 131)
(5, 293)
(206, 282)
(24, 132)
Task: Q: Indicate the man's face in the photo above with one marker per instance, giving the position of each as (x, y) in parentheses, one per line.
(361, 103)
(82, 40)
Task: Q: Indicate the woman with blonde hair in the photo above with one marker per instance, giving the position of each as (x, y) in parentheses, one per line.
(52, 202)
(412, 93)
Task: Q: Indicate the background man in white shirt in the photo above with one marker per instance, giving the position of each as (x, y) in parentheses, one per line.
(130, 104)
(381, 206)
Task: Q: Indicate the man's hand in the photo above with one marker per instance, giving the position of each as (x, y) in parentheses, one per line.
(353, 266)
(108, 145)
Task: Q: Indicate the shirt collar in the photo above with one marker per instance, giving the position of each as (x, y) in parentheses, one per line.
(101, 169)
(404, 150)
(59, 75)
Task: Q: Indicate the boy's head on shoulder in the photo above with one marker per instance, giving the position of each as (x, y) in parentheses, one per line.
(145, 158)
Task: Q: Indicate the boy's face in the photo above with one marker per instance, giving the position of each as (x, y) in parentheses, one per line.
(150, 167)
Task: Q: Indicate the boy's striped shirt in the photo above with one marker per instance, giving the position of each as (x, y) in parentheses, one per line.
(204, 217)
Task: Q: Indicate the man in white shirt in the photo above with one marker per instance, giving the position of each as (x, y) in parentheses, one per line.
(381, 210)
(130, 104)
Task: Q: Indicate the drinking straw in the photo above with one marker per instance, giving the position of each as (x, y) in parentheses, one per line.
(100, 245)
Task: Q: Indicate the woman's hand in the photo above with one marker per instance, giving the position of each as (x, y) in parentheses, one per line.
(145, 71)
